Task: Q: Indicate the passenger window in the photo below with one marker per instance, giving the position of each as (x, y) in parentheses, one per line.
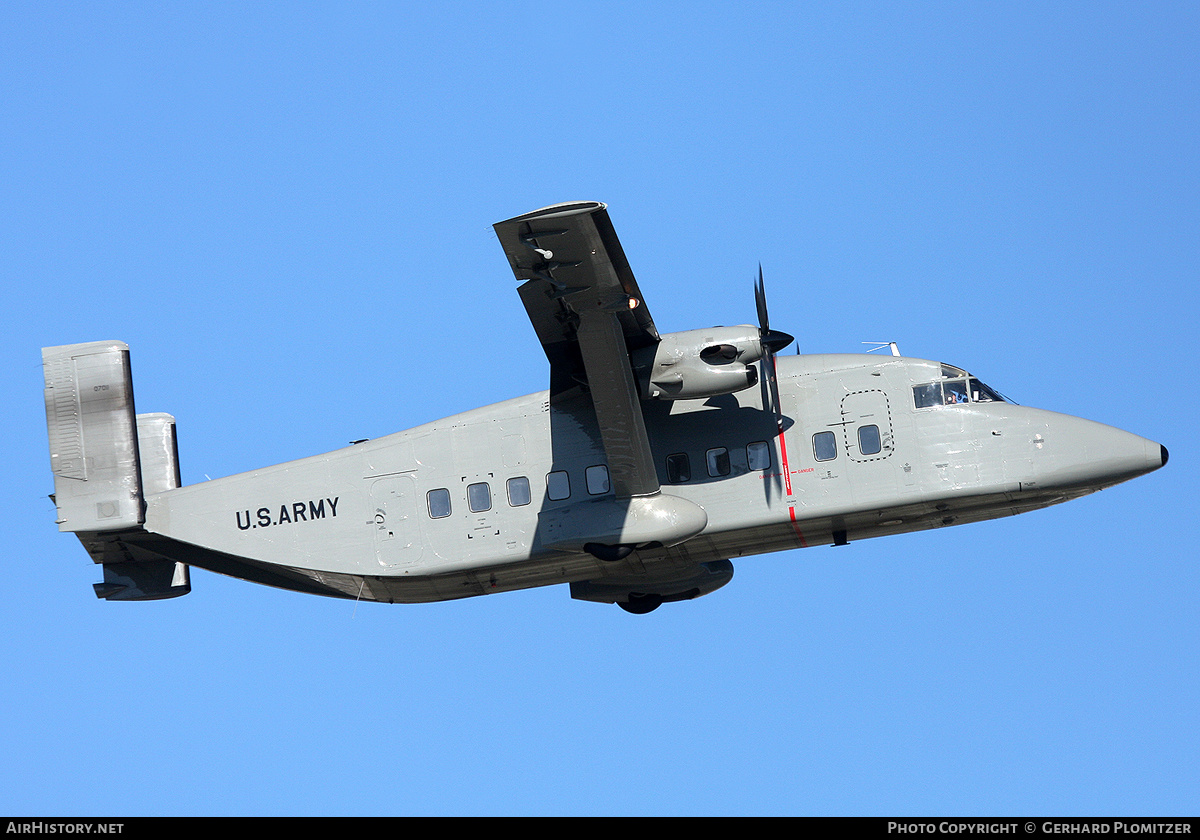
(439, 503)
(679, 468)
(718, 461)
(868, 440)
(558, 486)
(824, 446)
(518, 491)
(597, 479)
(758, 455)
(479, 497)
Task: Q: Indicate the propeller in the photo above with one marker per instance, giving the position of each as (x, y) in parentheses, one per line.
(772, 342)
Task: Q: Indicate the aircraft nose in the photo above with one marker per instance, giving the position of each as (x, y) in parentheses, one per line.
(1156, 455)
(1096, 455)
(1123, 455)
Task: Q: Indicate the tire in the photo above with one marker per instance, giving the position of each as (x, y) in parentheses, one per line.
(641, 604)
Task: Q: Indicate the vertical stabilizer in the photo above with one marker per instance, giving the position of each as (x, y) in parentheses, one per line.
(93, 437)
(158, 453)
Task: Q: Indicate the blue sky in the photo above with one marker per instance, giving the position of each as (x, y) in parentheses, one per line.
(285, 209)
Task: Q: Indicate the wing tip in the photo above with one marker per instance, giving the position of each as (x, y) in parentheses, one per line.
(565, 208)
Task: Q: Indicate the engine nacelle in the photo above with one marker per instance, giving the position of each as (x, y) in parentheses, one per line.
(698, 364)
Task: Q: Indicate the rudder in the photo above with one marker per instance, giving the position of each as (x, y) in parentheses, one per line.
(93, 436)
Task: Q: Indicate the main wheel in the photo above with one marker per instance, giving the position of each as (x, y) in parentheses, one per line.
(641, 604)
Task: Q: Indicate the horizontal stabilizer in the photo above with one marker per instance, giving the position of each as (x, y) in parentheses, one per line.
(143, 581)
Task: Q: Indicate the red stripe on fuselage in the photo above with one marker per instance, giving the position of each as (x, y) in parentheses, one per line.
(787, 486)
(787, 473)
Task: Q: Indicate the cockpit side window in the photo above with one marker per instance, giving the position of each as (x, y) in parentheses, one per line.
(927, 395)
(953, 392)
(982, 393)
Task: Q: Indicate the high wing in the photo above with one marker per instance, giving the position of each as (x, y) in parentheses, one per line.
(565, 251)
(588, 313)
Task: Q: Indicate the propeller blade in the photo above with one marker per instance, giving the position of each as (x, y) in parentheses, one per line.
(773, 385)
(760, 301)
(772, 342)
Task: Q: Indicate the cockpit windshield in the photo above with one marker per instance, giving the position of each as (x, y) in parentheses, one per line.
(957, 388)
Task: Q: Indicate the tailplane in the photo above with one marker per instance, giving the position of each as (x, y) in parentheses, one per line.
(106, 458)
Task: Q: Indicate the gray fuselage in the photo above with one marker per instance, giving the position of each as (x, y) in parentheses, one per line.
(463, 506)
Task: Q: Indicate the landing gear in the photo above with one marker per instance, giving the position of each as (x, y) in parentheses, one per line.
(641, 604)
(608, 553)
